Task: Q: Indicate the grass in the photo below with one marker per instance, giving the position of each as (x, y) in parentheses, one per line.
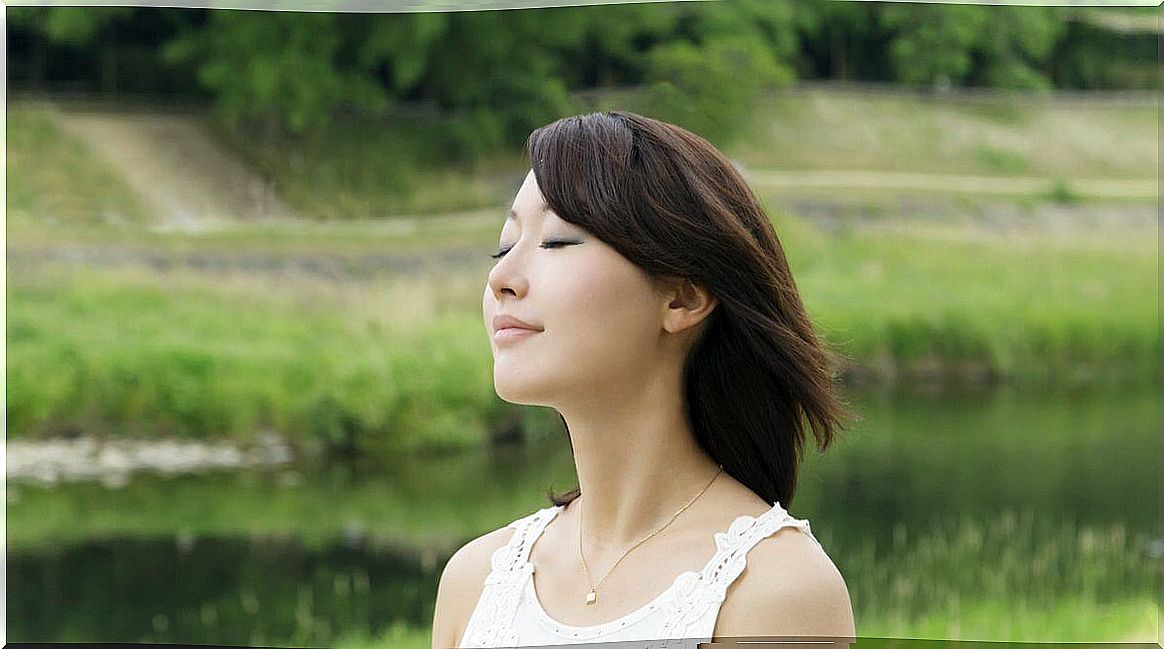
(1062, 192)
(1050, 543)
(919, 299)
(403, 165)
(1073, 619)
(346, 355)
(1011, 578)
(358, 168)
(56, 179)
(282, 241)
(394, 362)
(102, 353)
(398, 636)
(812, 128)
(1003, 161)
(1002, 577)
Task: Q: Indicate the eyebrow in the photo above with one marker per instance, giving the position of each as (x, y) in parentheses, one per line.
(512, 216)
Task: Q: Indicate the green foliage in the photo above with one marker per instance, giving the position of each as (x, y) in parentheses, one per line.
(711, 84)
(400, 42)
(609, 50)
(933, 43)
(276, 68)
(1016, 48)
(1001, 47)
(77, 26)
(499, 74)
(1003, 161)
(497, 71)
(1090, 56)
(1062, 192)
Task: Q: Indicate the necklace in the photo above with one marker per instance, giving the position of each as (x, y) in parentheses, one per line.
(592, 596)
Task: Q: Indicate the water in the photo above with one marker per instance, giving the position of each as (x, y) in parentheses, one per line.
(931, 507)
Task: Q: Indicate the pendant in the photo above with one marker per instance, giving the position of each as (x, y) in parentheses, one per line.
(591, 597)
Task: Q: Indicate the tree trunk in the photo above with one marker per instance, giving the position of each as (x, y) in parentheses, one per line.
(837, 41)
(108, 60)
(38, 66)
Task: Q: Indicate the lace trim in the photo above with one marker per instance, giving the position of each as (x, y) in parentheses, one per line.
(695, 599)
(690, 597)
(510, 568)
(662, 602)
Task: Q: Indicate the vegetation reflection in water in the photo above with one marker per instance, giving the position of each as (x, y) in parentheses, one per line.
(996, 515)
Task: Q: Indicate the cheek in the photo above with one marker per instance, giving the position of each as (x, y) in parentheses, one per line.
(610, 319)
(488, 308)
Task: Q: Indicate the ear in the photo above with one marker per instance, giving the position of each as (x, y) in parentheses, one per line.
(687, 305)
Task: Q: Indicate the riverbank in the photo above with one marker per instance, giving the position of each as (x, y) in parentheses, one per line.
(899, 503)
(341, 354)
(112, 462)
(364, 336)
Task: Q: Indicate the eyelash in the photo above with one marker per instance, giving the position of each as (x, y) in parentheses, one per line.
(548, 244)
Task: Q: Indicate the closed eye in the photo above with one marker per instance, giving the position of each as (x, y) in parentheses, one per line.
(548, 244)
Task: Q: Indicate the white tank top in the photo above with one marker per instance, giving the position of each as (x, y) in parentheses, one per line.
(508, 613)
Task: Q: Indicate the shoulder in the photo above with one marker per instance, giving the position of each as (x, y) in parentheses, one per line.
(789, 587)
(461, 584)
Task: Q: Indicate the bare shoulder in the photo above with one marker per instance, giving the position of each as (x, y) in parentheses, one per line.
(789, 587)
(461, 584)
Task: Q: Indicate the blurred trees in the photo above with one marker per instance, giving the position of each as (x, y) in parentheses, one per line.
(501, 73)
(279, 69)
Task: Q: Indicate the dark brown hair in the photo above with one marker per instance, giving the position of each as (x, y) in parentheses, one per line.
(669, 202)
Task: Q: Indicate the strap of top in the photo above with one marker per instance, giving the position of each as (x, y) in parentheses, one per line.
(514, 555)
(493, 623)
(695, 593)
(695, 598)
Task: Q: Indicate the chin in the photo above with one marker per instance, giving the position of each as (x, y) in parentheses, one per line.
(517, 387)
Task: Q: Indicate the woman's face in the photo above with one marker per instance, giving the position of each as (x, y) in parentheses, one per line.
(598, 317)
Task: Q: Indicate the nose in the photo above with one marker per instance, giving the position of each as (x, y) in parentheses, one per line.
(508, 276)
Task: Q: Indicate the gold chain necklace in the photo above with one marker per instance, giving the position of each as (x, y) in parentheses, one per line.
(592, 596)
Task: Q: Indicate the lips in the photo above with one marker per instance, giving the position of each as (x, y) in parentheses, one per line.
(513, 332)
(503, 323)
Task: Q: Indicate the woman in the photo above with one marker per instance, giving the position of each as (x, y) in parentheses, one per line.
(641, 292)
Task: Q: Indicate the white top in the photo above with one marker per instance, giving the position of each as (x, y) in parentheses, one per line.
(508, 614)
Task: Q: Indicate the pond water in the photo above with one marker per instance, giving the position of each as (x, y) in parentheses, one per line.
(936, 508)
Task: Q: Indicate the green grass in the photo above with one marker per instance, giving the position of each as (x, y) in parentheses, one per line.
(134, 353)
(398, 636)
(838, 129)
(1011, 578)
(934, 300)
(1008, 580)
(53, 178)
(1072, 620)
(404, 362)
(283, 240)
(360, 168)
(1007, 577)
(404, 165)
(1003, 161)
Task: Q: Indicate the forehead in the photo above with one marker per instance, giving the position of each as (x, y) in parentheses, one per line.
(529, 202)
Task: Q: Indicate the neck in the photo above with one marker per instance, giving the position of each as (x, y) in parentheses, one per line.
(637, 462)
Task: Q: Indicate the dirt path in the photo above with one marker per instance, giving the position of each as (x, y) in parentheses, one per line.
(192, 183)
(176, 167)
(1008, 185)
